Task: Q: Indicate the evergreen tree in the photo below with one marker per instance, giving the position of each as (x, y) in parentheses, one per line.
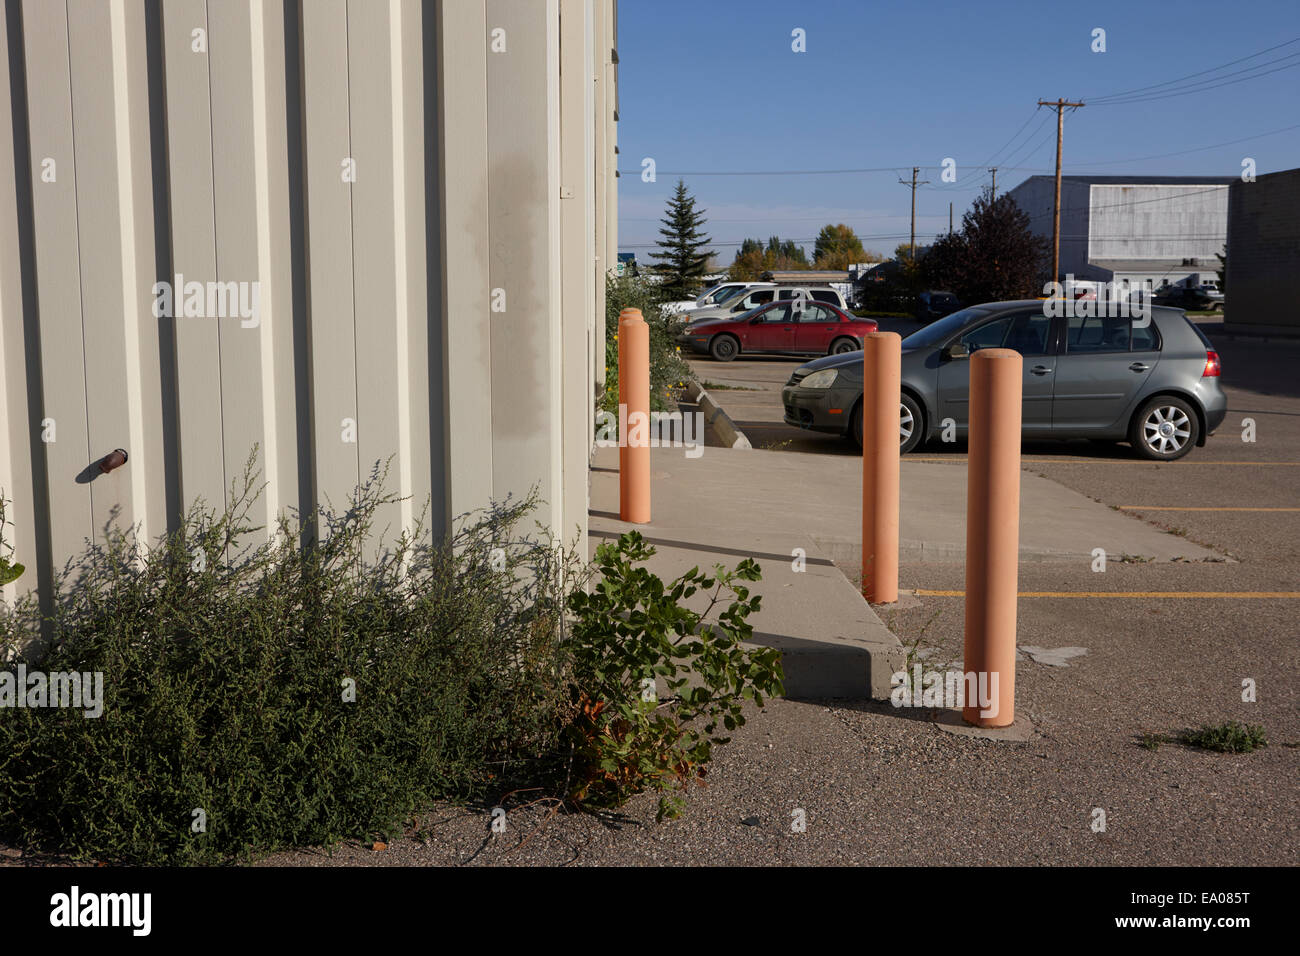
(681, 262)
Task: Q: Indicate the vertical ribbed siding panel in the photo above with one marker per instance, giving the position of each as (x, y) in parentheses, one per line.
(465, 314)
(280, 246)
(418, 170)
(327, 142)
(235, 194)
(199, 367)
(609, 118)
(27, 528)
(381, 376)
(225, 165)
(106, 256)
(523, 234)
(58, 282)
(578, 252)
(153, 361)
(600, 170)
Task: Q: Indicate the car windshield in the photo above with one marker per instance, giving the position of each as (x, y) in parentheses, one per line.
(728, 293)
(942, 330)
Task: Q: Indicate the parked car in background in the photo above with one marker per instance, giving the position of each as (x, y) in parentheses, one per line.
(715, 296)
(933, 305)
(753, 298)
(1189, 298)
(1155, 386)
(789, 327)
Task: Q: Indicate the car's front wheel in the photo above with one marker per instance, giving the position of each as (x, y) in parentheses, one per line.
(911, 424)
(1164, 429)
(724, 348)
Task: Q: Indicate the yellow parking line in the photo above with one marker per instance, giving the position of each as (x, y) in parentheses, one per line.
(1174, 508)
(1245, 595)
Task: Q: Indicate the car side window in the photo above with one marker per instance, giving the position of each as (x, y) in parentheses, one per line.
(755, 299)
(824, 295)
(1029, 333)
(1145, 338)
(1092, 334)
(778, 313)
(816, 313)
(986, 336)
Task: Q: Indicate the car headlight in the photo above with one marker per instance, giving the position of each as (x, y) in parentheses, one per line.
(823, 379)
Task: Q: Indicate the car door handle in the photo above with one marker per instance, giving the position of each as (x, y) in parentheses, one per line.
(1138, 367)
(1041, 369)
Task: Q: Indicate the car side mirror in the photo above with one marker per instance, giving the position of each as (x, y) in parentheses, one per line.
(956, 351)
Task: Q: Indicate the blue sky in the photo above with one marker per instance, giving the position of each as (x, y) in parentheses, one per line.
(713, 85)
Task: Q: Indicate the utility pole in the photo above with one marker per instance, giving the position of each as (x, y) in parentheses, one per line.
(950, 219)
(994, 171)
(914, 184)
(1060, 106)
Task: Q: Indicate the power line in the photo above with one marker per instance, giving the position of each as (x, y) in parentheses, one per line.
(1032, 143)
(1214, 69)
(1184, 152)
(998, 152)
(1206, 87)
(1020, 153)
(777, 172)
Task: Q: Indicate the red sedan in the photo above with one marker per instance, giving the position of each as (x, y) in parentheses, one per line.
(786, 327)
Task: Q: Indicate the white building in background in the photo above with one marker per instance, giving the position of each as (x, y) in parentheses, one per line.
(1132, 229)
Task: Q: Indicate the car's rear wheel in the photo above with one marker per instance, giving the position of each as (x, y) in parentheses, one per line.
(911, 424)
(840, 346)
(1164, 429)
(724, 348)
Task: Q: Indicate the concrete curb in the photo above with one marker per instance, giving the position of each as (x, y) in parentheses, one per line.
(716, 416)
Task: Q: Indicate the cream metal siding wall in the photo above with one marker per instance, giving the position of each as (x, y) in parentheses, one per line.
(217, 140)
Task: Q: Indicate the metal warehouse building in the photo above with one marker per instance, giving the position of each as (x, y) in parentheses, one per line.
(1134, 229)
(1262, 280)
(387, 225)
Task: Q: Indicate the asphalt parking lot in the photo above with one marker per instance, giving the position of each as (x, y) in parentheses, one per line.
(1108, 658)
(1166, 645)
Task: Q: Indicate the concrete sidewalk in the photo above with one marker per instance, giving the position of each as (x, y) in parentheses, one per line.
(832, 643)
(777, 507)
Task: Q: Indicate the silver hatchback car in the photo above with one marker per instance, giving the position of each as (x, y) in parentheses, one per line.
(1155, 385)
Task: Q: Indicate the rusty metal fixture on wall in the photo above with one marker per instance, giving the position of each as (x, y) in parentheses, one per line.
(114, 459)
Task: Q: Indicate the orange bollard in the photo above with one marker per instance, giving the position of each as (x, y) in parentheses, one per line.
(634, 417)
(993, 532)
(882, 358)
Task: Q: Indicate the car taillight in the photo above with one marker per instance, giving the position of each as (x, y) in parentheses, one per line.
(1211, 364)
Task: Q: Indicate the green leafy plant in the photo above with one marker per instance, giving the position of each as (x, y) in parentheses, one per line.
(633, 630)
(1228, 737)
(311, 682)
(9, 570)
(668, 370)
(296, 694)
